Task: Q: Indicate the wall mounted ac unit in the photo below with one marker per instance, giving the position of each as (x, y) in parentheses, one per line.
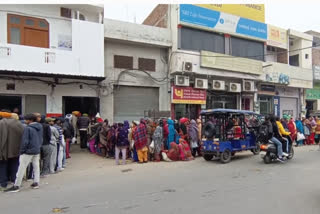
(218, 85)
(201, 83)
(248, 86)
(235, 87)
(187, 66)
(181, 80)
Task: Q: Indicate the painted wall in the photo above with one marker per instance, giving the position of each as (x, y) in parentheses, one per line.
(138, 79)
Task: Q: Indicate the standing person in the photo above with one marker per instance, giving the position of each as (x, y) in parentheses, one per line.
(158, 141)
(29, 152)
(300, 129)
(46, 149)
(313, 125)
(11, 131)
(68, 132)
(122, 142)
(193, 133)
(165, 133)
(149, 136)
(83, 124)
(60, 145)
(54, 141)
(292, 129)
(74, 122)
(183, 128)
(140, 142)
(306, 129)
(103, 145)
(172, 133)
(317, 130)
(131, 140)
(200, 136)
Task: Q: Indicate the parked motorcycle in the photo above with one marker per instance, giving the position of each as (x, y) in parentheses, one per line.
(269, 150)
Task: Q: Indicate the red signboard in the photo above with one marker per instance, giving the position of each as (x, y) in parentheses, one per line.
(54, 115)
(188, 95)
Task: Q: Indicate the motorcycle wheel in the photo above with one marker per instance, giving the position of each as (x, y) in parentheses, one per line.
(256, 151)
(291, 154)
(207, 157)
(225, 157)
(267, 159)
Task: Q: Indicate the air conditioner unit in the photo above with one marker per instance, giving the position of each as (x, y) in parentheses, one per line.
(201, 83)
(187, 66)
(181, 80)
(235, 87)
(248, 86)
(218, 85)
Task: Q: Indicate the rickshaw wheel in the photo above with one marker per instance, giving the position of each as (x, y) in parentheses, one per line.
(256, 151)
(225, 157)
(207, 157)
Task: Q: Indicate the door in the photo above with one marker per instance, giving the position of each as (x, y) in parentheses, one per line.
(8, 102)
(36, 103)
(36, 38)
(130, 102)
(289, 106)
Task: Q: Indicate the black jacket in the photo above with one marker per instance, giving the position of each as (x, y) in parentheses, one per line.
(275, 129)
(68, 130)
(83, 122)
(46, 134)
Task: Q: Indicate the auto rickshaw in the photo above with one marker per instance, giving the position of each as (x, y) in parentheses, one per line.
(227, 131)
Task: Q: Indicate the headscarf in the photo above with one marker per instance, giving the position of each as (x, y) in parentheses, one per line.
(193, 130)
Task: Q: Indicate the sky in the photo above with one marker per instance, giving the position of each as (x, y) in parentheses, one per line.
(298, 15)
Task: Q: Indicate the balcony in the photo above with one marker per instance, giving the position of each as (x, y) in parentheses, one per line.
(291, 76)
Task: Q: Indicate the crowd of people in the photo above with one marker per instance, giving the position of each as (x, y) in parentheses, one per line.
(32, 146)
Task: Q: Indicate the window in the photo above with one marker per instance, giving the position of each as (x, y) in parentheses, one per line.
(147, 64)
(28, 31)
(294, 60)
(247, 48)
(65, 12)
(125, 62)
(192, 39)
(307, 56)
(82, 17)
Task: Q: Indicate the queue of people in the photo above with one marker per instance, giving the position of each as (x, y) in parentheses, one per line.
(33, 147)
(143, 141)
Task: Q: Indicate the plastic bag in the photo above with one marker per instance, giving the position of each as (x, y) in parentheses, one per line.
(300, 136)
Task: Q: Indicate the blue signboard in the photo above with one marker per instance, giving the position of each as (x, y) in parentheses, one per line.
(222, 21)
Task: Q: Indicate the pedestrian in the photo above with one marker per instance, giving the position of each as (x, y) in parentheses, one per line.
(317, 130)
(122, 141)
(300, 130)
(306, 129)
(29, 152)
(83, 124)
(54, 141)
(68, 132)
(11, 131)
(172, 133)
(46, 149)
(103, 138)
(74, 122)
(193, 133)
(313, 125)
(165, 133)
(140, 142)
(292, 129)
(60, 145)
(131, 140)
(149, 136)
(158, 141)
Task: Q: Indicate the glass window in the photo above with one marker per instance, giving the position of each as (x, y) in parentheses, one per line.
(43, 24)
(30, 22)
(15, 35)
(247, 48)
(14, 20)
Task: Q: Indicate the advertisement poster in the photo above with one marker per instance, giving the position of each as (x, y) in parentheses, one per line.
(188, 95)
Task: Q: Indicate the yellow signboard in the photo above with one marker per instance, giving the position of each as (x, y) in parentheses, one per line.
(277, 37)
(254, 12)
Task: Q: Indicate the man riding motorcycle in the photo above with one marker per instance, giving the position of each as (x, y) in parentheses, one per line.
(273, 134)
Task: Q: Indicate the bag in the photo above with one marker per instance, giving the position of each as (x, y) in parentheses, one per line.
(265, 130)
(74, 139)
(300, 136)
(152, 145)
(165, 157)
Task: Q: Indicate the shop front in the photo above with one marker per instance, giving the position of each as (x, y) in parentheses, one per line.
(187, 102)
(225, 100)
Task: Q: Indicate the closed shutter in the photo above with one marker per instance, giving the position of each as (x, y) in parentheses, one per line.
(35, 103)
(131, 102)
(289, 105)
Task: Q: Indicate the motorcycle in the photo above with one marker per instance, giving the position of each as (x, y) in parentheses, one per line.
(269, 150)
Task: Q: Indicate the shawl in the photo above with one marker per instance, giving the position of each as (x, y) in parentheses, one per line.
(193, 131)
(140, 136)
(172, 131)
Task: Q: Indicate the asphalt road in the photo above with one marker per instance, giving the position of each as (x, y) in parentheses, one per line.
(94, 185)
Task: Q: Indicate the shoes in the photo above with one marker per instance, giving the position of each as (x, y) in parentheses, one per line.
(35, 186)
(280, 159)
(285, 154)
(44, 176)
(145, 162)
(13, 189)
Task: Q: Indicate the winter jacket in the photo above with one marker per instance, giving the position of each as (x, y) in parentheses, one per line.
(68, 130)
(46, 134)
(54, 136)
(32, 139)
(282, 131)
(15, 131)
(83, 122)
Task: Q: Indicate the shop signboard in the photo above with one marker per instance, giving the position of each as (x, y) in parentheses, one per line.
(254, 12)
(316, 72)
(277, 37)
(276, 104)
(223, 22)
(188, 95)
(313, 94)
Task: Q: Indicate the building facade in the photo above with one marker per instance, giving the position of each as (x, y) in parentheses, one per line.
(51, 58)
(237, 62)
(136, 67)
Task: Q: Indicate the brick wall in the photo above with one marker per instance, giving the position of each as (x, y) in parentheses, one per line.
(315, 56)
(282, 57)
(158, 17)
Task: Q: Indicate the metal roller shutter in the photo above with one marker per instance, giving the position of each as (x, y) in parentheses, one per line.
(35, 103)
(130, 102)
(289, 105)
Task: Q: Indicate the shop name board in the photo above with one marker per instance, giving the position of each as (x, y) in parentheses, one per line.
(277, 37)
(316, 72)
(188, 95)
(313, 94)
(254, 12)
(220, 21)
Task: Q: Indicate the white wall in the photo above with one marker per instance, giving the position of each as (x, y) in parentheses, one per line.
(54, 97)
(144, 51)
(298, 44)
